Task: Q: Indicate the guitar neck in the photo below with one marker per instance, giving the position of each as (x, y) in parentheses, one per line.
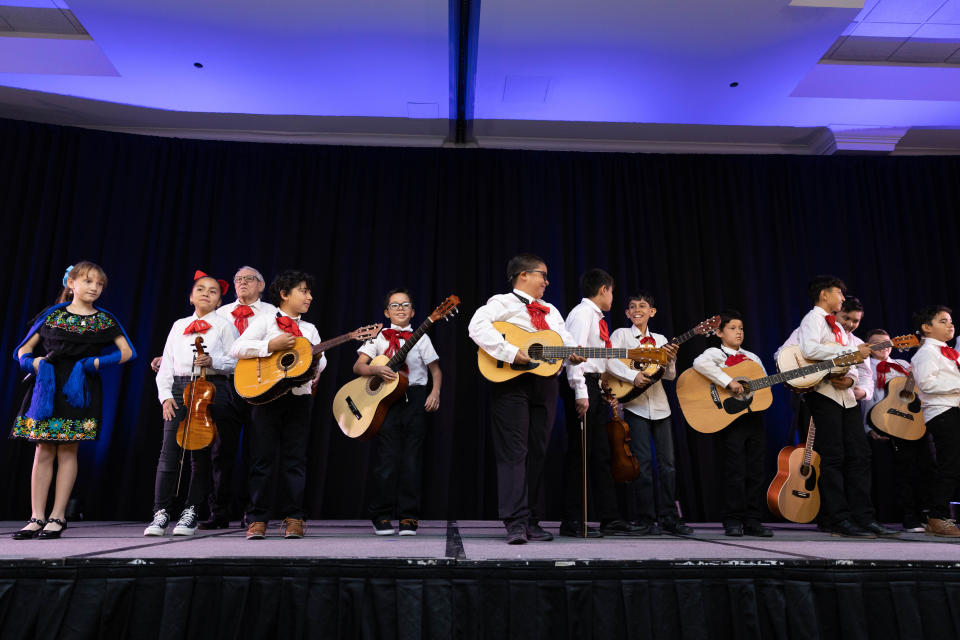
(683, 337)
(777, 378)
(396, 362)
(559, 353)
(808, 449)
(332, 342)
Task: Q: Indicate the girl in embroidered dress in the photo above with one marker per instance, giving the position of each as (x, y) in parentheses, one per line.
(62, 353)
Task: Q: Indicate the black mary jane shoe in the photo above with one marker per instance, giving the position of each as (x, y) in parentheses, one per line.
(28, 534)
(52, 535)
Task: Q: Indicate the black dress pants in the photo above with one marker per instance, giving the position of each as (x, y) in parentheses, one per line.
(945, 431)
(522, 411)
(741, 447)
(230, 420)
(399, 457)
(278, 436)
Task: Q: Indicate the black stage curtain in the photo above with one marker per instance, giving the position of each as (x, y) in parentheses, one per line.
(270, 600)
(701, 232)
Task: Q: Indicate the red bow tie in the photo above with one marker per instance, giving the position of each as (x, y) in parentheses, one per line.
(648, 340)
(950, 354)
(289, 325)
(240, 314)
(538, 315)
(837, 331)
(197, 326)
(605, 334)
(393, 337)
(736, 358)
(884, 367)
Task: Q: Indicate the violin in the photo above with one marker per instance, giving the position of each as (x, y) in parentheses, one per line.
(198, 429)
(623, 464)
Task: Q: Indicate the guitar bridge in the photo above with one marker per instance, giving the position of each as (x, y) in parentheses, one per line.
(353, 408)
(800, 494)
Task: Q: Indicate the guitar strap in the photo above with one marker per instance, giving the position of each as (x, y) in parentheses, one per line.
(521, 298)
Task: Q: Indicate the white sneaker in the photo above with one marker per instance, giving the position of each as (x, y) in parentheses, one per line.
(187, 524)
(159, 525)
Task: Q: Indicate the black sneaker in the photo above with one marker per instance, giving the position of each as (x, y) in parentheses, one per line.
(382, 527)
(408, 527)
(187, 525)
(517, 532)
(159, 525)
(676, 526)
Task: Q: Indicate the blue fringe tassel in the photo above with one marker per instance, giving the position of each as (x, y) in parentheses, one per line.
(41, 405)
(75, 389)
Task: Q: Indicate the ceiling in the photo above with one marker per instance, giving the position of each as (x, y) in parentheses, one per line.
(737, 76)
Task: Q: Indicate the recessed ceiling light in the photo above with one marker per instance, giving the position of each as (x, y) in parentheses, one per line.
(199, 65)
(734, 84)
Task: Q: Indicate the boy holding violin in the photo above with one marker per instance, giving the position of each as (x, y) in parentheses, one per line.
(742, 442)
(180, 365)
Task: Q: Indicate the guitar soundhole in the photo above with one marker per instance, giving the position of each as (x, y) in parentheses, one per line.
(375, 383)
(535, 351)
(287, 360)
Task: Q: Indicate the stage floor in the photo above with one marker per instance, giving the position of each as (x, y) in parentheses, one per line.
(472, 542)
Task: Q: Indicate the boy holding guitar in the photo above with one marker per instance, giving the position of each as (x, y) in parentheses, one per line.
(911, 458)
(522, 408)
(649, 415)
(398, 460)
(846, 507)
(280, 428)
(935, 368)
(742, 443)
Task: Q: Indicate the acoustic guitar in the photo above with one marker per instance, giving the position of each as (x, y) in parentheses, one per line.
(261, 380)
(899, 413)
(626, 391)
(547, 354)
(708, 407)
(794, 494)
(791, 358)
(361, 405)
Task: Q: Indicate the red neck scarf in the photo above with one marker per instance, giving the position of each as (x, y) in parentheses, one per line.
(884, 367)
(950, 354)
(837, 331)
(240, 314)
(736, 358)
(538, 315)
(605, 334)
(197, 326)
(289, 325)
(648, 340)
(393, 337)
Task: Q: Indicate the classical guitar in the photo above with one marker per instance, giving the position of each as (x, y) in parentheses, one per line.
(260, 380)
(794, 494)
(625, 390)
(361, 405)
(899, 414)
(791, 358)
(547, 353)
(708, 407)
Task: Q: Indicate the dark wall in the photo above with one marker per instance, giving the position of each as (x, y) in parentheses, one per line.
(701, 232)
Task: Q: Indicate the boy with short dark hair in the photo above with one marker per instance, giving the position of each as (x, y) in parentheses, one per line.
(649, 417)
(935, 369)
(742, 442)
(280, 431)
(399, 454)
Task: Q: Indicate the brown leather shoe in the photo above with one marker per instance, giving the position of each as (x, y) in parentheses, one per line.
(943, 528)
(257, 531)
(292, 528)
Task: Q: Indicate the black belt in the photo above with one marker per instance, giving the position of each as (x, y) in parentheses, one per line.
(189, 379)
(592, 376)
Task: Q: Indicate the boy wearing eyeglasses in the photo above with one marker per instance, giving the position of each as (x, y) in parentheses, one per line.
(399, 453)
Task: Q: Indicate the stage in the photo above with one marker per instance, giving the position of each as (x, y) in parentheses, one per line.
(459, 579)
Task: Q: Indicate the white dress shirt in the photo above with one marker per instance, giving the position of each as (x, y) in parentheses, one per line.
(817, 342)
(711, 363)
(938, 379)
(418, 359)
(261, 330)
(508, 307)
(178, 352)
(862, 369)
(259, 308)
(652, 404)
(583, 323)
